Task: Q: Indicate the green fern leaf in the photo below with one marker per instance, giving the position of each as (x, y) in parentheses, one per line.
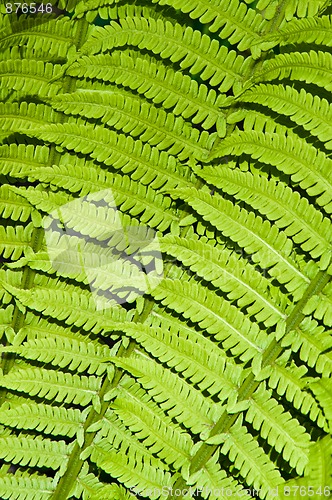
(232, 20)
(289, 382)
(205, 368)
(70, 353)
(129, 114)
(308, 30)
(180, 400)
(310, 67)
(231, 274)
(53, 385)
(166, 441)
(291, 212)
(14, 116)
(293, 157)
(103, 145)
(27, 488)
(54, 37)
(313, 343)
(318, 473)
(136, 476)
(213, 314)
(126, 193)
(322, 391)
(214, 482)
(282, 431)
(303, 108)
(34, 451)
(156, 82)
(74, 308)
(319, 306)
(19, 159)
(14, 240)
(15, 207)
(250, 460)
(117, 435)
(259, 239)
(203, 121)
(28, 75)
(193, 51)
(58, 421)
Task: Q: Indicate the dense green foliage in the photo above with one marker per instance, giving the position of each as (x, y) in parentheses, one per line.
(204, 128)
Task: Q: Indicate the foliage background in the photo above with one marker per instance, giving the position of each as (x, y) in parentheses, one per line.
(210, 123)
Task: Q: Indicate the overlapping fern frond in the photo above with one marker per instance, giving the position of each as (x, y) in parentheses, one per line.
(165, 247)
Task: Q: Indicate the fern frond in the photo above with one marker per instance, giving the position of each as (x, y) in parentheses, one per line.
(303, 8)
(213, 314)
(112, 434)
(310, 67)
(289, 382)
(128, 194)
(210, 371)
(265, 243)
(14, 240)
(310, 111)
(125, 373)
(63, 352)
(10, 277)
(178, 398)
(250, 459)
(157, 433)
(98, 266)
(279, 203)
(30, 76)
(320, 305)
(119, 151)
(278, 427)
(313, 343)
(308, 30)
(252, 119)
(135, 474)
(53, 385)
(92, 489)
(15, 207)
(307, 166)
(89, 7)
(318, 473)
(54, 420)
(320, 463)
(192, 50)
(322, 392)
(27, 488)
(227, 271)
(34, 451)
(14, 116)
(121, 441)
(74, 308)
(6, 317)
(39, 328)
(237, 23)
(18, 159)
(158, 83)
(214, 482)
(54, 37)
(83, 177)
(42, 200)
(130, 114)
